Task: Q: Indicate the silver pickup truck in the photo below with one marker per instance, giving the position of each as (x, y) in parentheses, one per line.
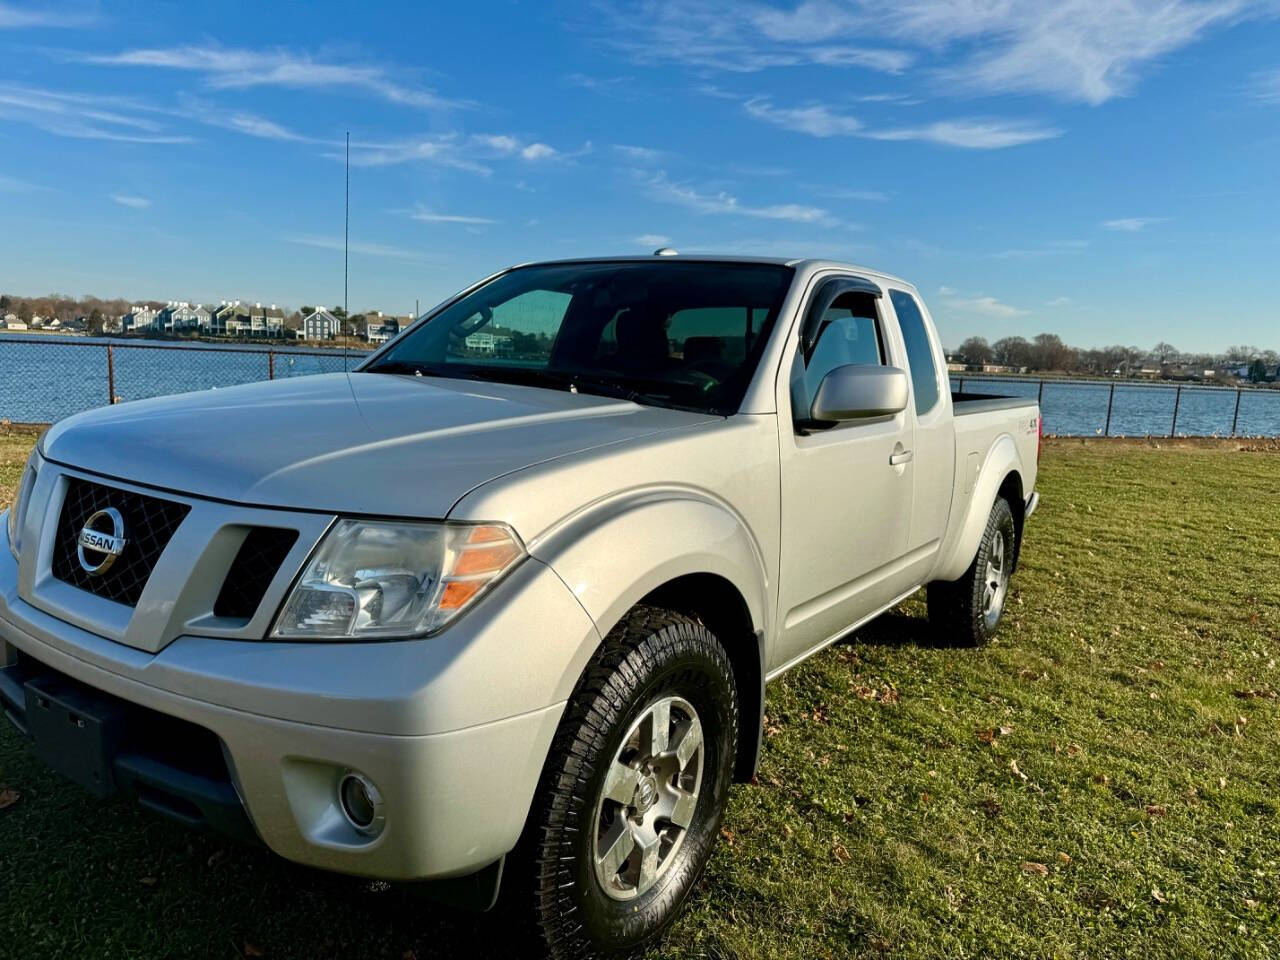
(497, 609)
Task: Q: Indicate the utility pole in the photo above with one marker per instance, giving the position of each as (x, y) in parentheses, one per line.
(346, 232)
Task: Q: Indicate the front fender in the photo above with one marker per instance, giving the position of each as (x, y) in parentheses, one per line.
(614, 553)
(966, 531)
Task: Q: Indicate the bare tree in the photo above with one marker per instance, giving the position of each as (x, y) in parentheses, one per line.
(975, 350)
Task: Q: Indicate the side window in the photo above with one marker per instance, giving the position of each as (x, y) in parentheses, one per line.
(850, 334)
(521, 329)
(924, 372)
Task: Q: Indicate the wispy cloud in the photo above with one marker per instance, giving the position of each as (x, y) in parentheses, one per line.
(86, 116)
(820, 120)
(131, 200)
(473, 152)
(14, 17)
(425, 215)
(1266, 86)
(230, 68)
(980, 305)
(14, 185)
(1131, 224)
(662, 189)
(972, 134)
(364, 249)
(1083, 50)
(864, 196)
(816, 120)
(242, 121)
(1058, 302)
(641, 154)
(652, 240)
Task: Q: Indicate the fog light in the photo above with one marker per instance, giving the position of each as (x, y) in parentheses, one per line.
(361, 803)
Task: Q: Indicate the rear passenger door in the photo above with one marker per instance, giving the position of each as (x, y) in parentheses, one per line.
(846, 508)
(935, 441)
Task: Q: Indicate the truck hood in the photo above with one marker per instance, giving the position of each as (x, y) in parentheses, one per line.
(347, 443)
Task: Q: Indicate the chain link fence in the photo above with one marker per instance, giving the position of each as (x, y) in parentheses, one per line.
(43, 380)
(1088, 408)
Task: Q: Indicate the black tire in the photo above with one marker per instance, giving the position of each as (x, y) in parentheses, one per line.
(651, 655)
(958, 608)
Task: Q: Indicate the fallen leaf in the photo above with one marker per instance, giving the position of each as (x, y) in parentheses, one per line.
(1004, 731)
(1074, 750)
(1157, 896)
(727, 834)
(840, 852)
(992, 807)
(1064, 858)
(1156, 809)
(216, 858)
(986, 736)
(149, 881)
(1013, 765)
(8, 797)
(1250, 904)
(1036, 869)
(252, 950)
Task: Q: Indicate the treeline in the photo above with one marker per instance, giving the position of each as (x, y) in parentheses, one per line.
(1047, 352)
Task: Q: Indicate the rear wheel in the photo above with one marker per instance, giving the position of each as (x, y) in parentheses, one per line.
(968, 610)
(634, 788)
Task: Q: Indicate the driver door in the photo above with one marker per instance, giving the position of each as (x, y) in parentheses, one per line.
(846, 506)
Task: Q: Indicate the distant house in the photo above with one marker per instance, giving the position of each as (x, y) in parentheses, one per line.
(266, 321)
(380, 329)
(179, 316)
(488, 342)
(320, 325)
(11, 322)
(138, 319)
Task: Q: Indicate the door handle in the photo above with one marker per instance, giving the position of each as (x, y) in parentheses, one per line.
(898, 459)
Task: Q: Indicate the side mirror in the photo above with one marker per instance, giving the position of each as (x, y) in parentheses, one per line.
(859, 392)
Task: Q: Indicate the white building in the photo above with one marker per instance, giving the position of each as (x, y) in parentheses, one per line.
(488, 342)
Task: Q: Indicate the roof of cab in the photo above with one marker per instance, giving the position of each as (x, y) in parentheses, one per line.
(811, 263)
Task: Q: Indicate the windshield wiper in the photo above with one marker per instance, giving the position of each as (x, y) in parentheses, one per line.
(574, 382)
(397, 366)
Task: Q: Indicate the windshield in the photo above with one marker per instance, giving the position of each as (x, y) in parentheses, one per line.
(679, 334)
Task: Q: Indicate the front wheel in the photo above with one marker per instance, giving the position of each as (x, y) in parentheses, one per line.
(635, 786)
(967, 611)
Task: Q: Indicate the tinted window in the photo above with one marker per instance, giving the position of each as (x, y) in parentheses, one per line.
(924, 374)
(684, 334)
(850, 334)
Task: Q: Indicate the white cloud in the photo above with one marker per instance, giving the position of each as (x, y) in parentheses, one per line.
(13, 17)
(1266, 86)
(537, 151)
(661, 188)
(241, 68)
(816, 120)
(14, 185)
(85, 116)
(423, 215)
(365, 249)
(819, 120)
(1083, 50)
(1058, 302)
(945, 291)
(982, 306)
(866, 196)
(131, 200)
(1131, 224)
(640, 154)
(652, 240)
(971, 134)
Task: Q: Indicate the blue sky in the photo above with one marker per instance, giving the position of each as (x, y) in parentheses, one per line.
(1105, 169)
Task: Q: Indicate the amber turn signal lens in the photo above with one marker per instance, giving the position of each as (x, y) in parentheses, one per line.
(487, 559)
(459, 592)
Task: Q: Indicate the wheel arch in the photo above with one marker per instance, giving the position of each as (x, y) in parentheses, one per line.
(1001, 476)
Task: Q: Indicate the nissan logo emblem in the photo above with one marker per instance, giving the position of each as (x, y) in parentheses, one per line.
(101, 541)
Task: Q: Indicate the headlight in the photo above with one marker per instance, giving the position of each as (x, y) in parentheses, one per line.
(382, 579)
(17, 512)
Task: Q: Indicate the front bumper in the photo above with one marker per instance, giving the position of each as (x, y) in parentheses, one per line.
(453, 730)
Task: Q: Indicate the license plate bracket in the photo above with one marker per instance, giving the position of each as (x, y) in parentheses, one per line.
(77, 731)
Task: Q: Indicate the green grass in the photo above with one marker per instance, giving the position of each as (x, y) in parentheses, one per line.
(1103, 781)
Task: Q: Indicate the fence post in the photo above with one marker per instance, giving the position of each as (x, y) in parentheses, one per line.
(1111, 399)
(111, 375)
(961, 390)
(1177, 400)
(271, 364)
(1040, 395)
(1235, 417)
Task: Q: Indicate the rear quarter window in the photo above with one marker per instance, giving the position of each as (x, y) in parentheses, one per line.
(915, 333)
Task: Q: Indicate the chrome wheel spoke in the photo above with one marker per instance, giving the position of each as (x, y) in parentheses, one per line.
(689, 741)
(682, 808)
(647, 844)
(615, 848)
(659, 729)
(621, 782)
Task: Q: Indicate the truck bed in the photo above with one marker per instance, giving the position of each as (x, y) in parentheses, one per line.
(964, 404)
